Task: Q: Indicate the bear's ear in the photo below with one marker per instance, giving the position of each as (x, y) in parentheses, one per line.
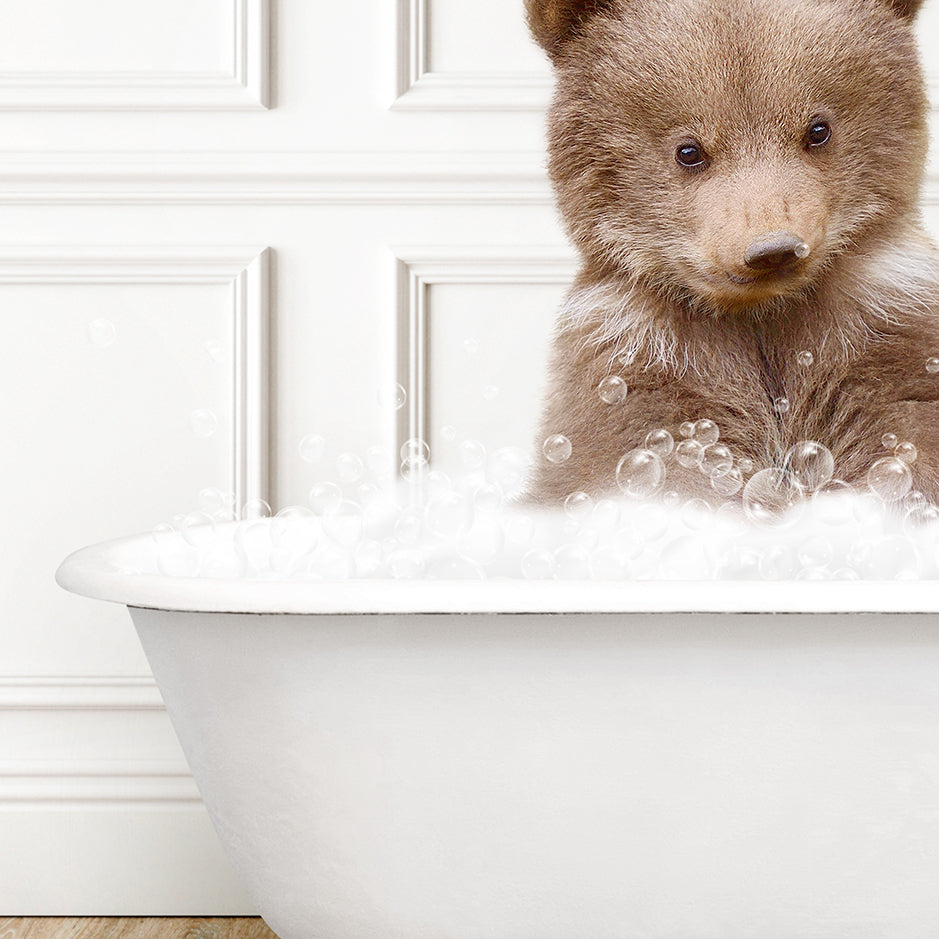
(554, 22)
(905, 8)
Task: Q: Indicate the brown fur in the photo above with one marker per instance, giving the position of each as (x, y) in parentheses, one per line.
(665, 298)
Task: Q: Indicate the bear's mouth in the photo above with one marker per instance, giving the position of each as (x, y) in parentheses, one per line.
(761, 277)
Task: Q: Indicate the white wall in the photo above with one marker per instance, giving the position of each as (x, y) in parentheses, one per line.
(178, 180)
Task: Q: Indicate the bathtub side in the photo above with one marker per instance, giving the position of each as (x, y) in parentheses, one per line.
(417, 777)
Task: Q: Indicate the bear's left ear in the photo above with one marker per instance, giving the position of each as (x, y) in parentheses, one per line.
(905, 8)
(554, 22)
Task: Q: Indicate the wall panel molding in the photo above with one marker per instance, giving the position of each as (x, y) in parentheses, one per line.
(419, 269)
(246, 87)
(421, 89)
(244, 270)
(273, 178)
(113, 783)
(79, 693)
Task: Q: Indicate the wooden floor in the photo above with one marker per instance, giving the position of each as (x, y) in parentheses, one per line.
(130, 927)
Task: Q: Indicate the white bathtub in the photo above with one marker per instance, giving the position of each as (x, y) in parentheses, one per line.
(556, 760)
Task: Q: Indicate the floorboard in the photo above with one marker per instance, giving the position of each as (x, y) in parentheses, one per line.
(131, 927)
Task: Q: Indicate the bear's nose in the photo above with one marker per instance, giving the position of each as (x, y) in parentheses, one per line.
(775, 250)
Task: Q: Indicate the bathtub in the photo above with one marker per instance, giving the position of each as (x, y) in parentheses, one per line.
(516, 760)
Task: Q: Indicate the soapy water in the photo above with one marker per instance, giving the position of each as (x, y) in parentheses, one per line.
(793, 521)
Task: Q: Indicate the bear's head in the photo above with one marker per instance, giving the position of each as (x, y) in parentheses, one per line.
(727, 152)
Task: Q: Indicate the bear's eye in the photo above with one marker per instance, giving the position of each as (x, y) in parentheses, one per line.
(691, 155)
(818, 134)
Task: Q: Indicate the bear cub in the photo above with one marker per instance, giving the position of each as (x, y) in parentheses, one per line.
(741, 179)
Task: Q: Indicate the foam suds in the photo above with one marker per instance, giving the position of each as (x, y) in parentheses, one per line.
(792, 521)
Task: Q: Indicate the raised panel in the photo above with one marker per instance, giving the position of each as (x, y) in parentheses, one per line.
(121, 54)
(134, 380)
(451, 58)
(475, 326)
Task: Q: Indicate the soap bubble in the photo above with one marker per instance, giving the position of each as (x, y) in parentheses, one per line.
(484, 541)
(163, 534)
(845, 573)
(781, 405)
(890, 479)
(393, 396)
(890, 441)
(689, 453)
(203, 422)
(651, 521)
(367, 557)
(612, 389)
(572, 562)
(346, 524)
(311, 448)
(222, 562)
(472, 455)
(830, 504)
(810, 465)
(806, 359)
(716, 460)
(609, 563)
(253, 544)
(509, 468)
(325, 498)
(293, 535)
(640, 473)
(745, 466)
(415, 451)
(696, 514)
(470, 346)
(660, 442)
(448, 432)
(218, 504)
(729, 483)
(769, 496)
(578, 505)
(255, 508)
(437, 483)
(815, 552)
(557, 448)
(101, 333)
(686, 429)
(932, 365)
(178, 559)
(448, 515)
(408, 527)
(519, 529)
(349, 467)
(906, 451)
(892, 557)
(488, 498)
(198, 529)
(449, 568)
(538, 564)
(778, 562)
(686, 558)
(605, 514)
(705, 432)
(414, 471)
(919, 515)
(406, 563)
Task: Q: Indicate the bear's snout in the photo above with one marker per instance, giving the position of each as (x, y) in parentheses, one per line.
(775, 251)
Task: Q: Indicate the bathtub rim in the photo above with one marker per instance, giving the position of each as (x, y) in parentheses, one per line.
(92, 572)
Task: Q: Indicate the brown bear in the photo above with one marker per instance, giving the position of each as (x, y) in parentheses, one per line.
(741, 178)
